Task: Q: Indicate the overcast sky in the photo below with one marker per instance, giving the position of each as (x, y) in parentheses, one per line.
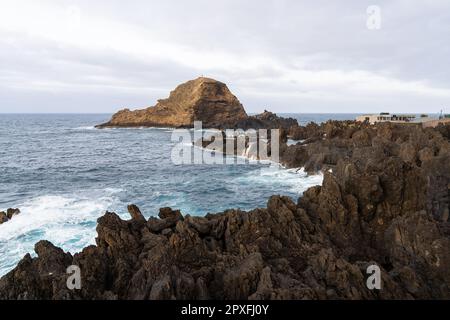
(285, 56)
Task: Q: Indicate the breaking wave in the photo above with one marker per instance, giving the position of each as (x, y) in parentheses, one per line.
(67, 221)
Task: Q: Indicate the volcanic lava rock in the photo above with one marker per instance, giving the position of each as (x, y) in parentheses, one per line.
(202, 99)
(385, 202)
(3, 217)
(330, 129)
(135, 213)
(265, 120)
(279, 122)
(305, 132)
(326, 144)
(168, 219)
(12, 212)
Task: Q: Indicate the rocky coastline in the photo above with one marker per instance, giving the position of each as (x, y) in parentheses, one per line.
(385, 200)
(8, 215)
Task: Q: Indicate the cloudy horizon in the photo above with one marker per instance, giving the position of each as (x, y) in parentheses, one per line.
(286, 56)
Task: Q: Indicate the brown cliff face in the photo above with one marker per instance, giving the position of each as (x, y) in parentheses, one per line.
(202, 99)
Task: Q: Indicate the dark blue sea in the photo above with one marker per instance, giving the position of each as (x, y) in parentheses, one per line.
(64, 174)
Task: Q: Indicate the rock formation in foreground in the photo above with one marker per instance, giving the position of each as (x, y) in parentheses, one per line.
(202, 99)
(386, 202)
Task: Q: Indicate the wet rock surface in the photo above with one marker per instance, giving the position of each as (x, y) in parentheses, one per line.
(385, 202)
(8, 215)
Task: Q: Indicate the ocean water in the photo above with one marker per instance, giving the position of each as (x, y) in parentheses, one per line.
(64, 174)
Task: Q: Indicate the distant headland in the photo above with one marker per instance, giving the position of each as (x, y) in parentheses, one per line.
(202, 99)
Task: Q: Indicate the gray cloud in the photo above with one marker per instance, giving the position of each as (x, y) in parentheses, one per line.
(290, 56)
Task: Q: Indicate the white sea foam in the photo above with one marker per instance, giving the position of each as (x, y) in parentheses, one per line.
(85, 128)
(165, 129)
(66, 221)
(294, 180)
